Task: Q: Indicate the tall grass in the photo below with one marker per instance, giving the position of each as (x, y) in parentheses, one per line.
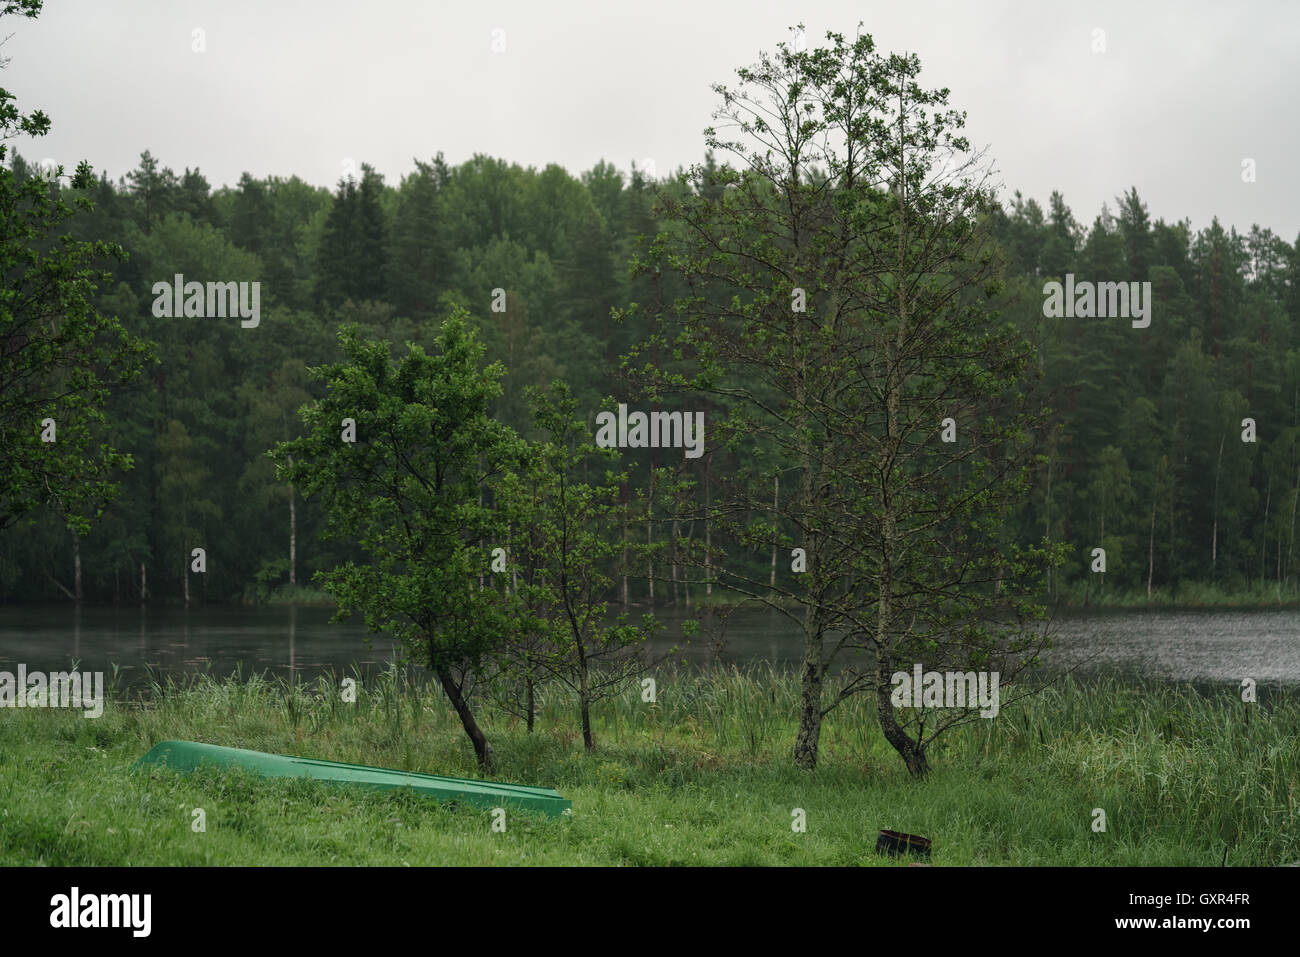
(702, 775)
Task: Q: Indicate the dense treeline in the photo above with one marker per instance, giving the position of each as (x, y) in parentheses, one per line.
(1148, 461)
(1152, 460)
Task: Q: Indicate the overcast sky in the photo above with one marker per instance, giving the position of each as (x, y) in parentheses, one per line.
(1182, 94)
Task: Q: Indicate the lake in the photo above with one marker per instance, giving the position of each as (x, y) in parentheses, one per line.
(1202, 647)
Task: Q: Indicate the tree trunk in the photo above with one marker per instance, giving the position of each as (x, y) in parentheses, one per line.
(185, 579)
(1279, 568)
(673, 545)
(1263, 544)
(480, 503)
(626, 507)
(530, 700)
(1101, 587)
(649, 533)
(1151, 540)
(584, 680)
(482, 750)
(708, 535)
(1047, 529)
(60, 586)
(810, 700)
(584, 706)
(1172, 535)
(1214, 541)
(776, 503)
(912, 753)
(1290, 548)
(144, 590)
(293, 535)
(686, 581)
(76, 567)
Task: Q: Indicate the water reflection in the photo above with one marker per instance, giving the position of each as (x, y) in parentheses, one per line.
(301, 643)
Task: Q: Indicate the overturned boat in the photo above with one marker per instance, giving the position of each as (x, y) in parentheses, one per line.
(189, 755)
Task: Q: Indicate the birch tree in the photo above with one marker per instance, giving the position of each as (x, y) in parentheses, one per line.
(851, 242)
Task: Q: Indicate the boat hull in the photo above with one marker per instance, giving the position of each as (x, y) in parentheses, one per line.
(188, 755)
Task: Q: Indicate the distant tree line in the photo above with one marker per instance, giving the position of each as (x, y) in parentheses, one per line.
(1148, 461)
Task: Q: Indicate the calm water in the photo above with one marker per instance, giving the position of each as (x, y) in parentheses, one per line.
(300, 643)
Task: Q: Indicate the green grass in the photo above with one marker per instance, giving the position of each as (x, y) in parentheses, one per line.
(703, 777)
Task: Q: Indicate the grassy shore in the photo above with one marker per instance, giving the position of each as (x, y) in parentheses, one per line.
(702, 777)
(1186, 596)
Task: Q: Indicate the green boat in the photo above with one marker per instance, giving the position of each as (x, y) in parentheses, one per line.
(188, 755)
